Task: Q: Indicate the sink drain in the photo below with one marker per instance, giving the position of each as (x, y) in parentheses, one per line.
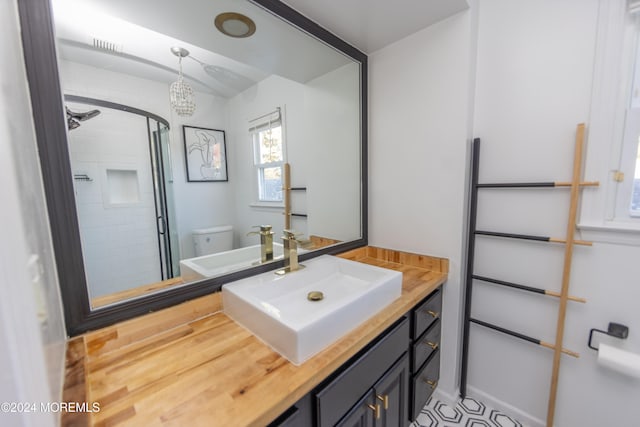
(315, 296)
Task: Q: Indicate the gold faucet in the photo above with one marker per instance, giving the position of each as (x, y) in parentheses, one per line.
(266, 242)
(290, 244)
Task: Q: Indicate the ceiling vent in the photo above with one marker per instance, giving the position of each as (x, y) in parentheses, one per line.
(107, 45)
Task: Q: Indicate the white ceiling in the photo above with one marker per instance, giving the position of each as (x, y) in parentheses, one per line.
(144, 30)
(370, 25)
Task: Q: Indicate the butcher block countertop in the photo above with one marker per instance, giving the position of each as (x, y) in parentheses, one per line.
(190, 365)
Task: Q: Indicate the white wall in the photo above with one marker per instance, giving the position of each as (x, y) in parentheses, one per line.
(332, 117)
(533, 83)
(419, 116)
(32, 356)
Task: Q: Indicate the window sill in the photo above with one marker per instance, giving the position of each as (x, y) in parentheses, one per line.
(611, 232)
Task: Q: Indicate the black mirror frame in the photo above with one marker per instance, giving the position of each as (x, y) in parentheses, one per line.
(50, 126)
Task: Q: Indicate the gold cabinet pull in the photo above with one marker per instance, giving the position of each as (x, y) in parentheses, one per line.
(433, 345)
(431, 383)
(432, 313)
(375, 409)
(384, 399)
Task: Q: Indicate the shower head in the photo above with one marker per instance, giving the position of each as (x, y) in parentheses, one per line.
(82, 116)
(74, 119)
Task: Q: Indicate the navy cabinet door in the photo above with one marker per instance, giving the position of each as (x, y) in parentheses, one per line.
(363, 414)
(392, 394)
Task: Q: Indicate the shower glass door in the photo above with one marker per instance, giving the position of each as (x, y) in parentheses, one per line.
(165, 200)
(124, 198)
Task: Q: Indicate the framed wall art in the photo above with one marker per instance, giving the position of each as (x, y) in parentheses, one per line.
(205, 154)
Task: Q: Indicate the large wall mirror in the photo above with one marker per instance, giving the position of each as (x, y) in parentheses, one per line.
(169, 130)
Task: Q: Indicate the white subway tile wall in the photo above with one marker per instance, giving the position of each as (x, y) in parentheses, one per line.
(116, 208)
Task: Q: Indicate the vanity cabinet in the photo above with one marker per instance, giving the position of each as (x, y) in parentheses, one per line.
(392, 395)
(361, 414)
(372, 371)
(385, 405)
(386, 384)
(299, 415)
(425, 351)
(372, 389)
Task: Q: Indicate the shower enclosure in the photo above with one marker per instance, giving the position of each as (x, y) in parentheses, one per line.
(121, 162)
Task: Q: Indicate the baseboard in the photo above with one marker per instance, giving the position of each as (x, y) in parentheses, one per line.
(449, 399)
(515, 413)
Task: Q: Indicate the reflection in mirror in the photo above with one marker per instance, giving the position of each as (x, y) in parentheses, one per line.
(122, 172)
(278, 99)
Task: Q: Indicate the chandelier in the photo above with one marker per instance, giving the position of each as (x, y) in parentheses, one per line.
(180, 93)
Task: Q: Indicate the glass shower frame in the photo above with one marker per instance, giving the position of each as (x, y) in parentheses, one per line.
(159, 150)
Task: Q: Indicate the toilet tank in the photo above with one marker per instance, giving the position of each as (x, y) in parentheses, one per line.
(213, 240)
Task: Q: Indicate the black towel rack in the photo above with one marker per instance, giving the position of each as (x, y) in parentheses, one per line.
(575, 185)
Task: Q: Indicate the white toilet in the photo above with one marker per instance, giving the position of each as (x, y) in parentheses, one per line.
(213, 240)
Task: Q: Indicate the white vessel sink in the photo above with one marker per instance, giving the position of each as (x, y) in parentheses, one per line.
(276, 309)
(223, 262)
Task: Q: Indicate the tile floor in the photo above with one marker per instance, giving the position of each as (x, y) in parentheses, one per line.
(467, 413)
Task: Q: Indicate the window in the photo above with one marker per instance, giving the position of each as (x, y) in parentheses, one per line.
(611, 213)
(627, 176)
(267, 138)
